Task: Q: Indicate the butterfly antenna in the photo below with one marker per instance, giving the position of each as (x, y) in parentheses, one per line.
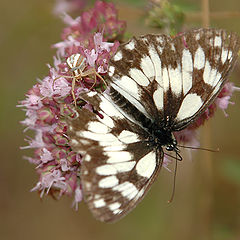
(199, 148)
(177, 157)
(174, 181)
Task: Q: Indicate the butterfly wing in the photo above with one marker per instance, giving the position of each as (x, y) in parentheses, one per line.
(174, 79)
(153, 79)
(118, 165)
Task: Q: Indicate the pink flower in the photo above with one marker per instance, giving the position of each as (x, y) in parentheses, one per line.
(223, 99)
(55, 87)
(68, 44)
(100, 45)
(77, 198)
(63, 6)
(91, 57)
(46, 156)
(70, 21)
(50, 179)
(31, 102)
(37, 142)
(223, 103)
(64, 165)
(50, 102)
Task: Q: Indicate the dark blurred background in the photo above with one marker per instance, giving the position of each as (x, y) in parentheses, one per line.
(207, 198)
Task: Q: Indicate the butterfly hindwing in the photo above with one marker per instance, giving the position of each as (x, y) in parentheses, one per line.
(118, 165)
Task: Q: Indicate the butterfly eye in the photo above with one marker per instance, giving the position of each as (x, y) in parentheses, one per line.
(170, 147)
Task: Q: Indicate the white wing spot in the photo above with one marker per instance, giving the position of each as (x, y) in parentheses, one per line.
(146, 166)
(158, 98)
(190, 105)
(130, 45)
(127, 189)
(114, 206)
(213, 77)
(130, 83)
(99, 203)
(84, 141)
(229, 54)
(105, 170)
(88, 185)
(160, 39)
(74, 142)
(147, 67)
(97, 127)
(139, 77)
(113, 169)
(218, 41)
(114, 143)
(97, 196)
(106, 120)
(175, 76)
(118, 156)
(224, 55)
(157, 64)
(206, 73)
(117, 211)
(117, 56)
(173, 47)
(165, 80)
(87, 158)
(97, 136)
(91, 94)
(111, 71)
(108, 182)
(109, 108)
(160, 49)
(197, 36)
(124, 166)
(199, 58)
(187, 69)
(128, 137)
(114, 147)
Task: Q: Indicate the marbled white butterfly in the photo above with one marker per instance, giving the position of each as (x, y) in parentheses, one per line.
(158, 85)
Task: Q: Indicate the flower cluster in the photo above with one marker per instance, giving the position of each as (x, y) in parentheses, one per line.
(95, 36)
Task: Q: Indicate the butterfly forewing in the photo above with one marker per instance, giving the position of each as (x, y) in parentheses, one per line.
(175, 78)
(158, 85)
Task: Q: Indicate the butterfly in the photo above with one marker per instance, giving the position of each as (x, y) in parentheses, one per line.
(158, 85)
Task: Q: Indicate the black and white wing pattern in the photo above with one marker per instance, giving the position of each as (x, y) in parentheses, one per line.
(158, 85)
(174, 77)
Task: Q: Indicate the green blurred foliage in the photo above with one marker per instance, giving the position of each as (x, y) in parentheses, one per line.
(166, 16)
(230, 169)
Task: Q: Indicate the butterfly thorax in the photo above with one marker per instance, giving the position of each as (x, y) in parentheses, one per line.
(162, 136)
